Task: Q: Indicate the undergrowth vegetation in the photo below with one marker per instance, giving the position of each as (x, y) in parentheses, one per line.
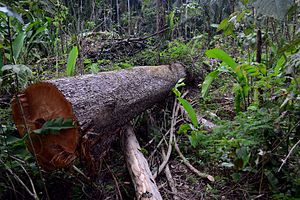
(243, 62)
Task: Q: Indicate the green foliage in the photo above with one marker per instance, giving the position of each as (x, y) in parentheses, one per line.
(208, 81)
(190, 110)
(70, 71)
(238, 72)
(248, 148)
(177, 50)
(18, 44)
(123, 65)
(10, 72)
(53, 126)
(186, 105)
(10, 13)
(221, 55)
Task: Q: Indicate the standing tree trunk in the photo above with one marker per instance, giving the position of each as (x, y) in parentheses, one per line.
(160, 16)
(118, 14)
(129, 17)
(258, 46)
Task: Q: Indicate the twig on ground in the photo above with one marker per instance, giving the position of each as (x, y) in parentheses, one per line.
(30, 180)
(289, 154)
(172, 129)
(116, 181)
(160, 142)
(170, 192)
(170, 178)
(19, 180)
(191, 167)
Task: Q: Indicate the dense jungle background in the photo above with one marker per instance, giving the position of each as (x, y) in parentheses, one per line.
(240, 105)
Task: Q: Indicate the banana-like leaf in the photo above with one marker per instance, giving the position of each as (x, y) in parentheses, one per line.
(190, 110)
(18, 44)
(221, 55)
(207, 82)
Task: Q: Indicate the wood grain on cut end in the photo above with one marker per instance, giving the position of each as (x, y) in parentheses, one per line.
(40, 103)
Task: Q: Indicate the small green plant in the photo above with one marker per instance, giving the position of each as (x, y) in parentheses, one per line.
(186, 105)
(240, 73)
(9, 74)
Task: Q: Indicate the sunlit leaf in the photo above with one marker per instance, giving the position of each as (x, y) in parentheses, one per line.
(190, 110)
(221, 55)
(72, 61)
(18, 44)
(207, 82)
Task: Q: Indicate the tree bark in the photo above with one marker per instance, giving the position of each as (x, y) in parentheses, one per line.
(160, 16)
(98, 103)
(144, 184)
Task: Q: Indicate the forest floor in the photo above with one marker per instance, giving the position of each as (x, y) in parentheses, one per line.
(115, 180)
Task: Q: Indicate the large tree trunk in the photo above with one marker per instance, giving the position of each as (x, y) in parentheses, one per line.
(144, 183)
(98, 103)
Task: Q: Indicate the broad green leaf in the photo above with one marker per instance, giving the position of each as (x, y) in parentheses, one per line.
(72, 61)
(195, 138)
(273, 181)
(53, 126)
(207, 82)
(221, 55)
(243, 154)
(223, 25)
(171, 20)
(18, 44)
(262, 68)
(190, 110)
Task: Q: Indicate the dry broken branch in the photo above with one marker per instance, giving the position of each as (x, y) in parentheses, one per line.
(144, 184)
(191, 167)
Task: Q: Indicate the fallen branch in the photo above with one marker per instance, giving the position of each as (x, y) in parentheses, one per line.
(33, 194)
(171, 139)
(170, 178)
(191, 167)
(144, 184)
(115, 180)
(289, 154)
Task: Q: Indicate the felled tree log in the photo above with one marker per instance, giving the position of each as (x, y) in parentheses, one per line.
(98, 104)
(144, 183)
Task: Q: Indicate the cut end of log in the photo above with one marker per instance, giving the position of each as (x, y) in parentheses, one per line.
(36, 105)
